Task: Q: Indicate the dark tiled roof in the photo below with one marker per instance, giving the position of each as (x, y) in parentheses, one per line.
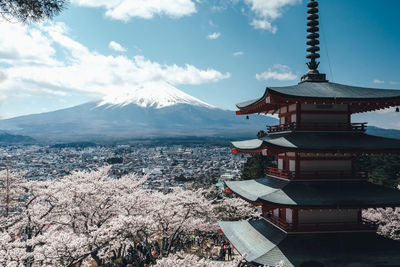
(267, 245)
(325, 90)
(316, 194)
(320, 141)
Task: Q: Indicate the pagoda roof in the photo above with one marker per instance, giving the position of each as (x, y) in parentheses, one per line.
(320, 141)
(267, 245)
(322, 92)
(315, 194)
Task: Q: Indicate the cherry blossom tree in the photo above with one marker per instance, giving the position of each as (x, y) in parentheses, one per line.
(388, 220)
(188, 260)
(89, 216)
(10, 192)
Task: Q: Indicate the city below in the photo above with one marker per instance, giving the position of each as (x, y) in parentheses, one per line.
(165, 166)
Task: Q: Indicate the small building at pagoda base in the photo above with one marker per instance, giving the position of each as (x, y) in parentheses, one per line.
(312, 202)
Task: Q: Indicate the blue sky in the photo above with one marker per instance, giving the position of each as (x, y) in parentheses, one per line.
(211, 49)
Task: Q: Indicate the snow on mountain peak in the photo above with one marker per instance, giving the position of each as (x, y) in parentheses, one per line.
(156, 95)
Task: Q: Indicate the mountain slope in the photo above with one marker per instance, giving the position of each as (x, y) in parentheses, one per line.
(10, 138)
(103, 121)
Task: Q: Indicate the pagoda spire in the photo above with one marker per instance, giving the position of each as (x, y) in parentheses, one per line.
(313, 74)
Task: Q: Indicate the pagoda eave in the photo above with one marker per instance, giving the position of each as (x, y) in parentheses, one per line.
(359, 99)
(317, 194)
(319, 142)
(266, 244)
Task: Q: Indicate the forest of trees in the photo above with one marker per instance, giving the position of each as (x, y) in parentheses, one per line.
(255, 166)
(382, 169)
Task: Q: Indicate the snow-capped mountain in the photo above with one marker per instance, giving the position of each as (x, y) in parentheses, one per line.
(158, 113)
(155, 96)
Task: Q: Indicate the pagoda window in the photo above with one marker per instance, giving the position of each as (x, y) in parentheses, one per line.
(329, 216)
(290, 154)
(325, 156)
(282, 214)
(324, 118)
(292, 108)
(326, 165)
(276, 212)
(283, 110)
(325, 114)
(289, 215)
(282, 120)
(292, 165)
(293, 118)
(280, 164)
(325, 107)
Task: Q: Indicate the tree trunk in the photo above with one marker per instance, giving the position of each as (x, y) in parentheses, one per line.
(99, 262)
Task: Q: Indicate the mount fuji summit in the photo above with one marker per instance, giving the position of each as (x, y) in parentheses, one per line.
(149, 112)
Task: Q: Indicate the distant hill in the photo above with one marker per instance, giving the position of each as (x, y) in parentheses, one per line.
(10, 138)
(390, 133)
(74, 145)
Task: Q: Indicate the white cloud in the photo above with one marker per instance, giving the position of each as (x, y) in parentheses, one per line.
(116, 47)
(212, 24)
(238, 53)
(266, 11)
(126, 9)
(394, 83)
(377, 81)
(214, 35)
(23, 45)
(263, 24)
(277, 72)
(82, 70)
(3, 76)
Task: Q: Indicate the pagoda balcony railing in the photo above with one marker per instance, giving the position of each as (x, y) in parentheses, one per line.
(317, 175)
(355, 127)
(363, 225)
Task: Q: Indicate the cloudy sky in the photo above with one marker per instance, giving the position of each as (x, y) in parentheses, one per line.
(220, 51)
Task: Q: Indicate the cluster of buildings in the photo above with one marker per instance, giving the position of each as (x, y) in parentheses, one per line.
(164, 165)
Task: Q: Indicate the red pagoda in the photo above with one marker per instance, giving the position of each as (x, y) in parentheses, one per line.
(312, 203)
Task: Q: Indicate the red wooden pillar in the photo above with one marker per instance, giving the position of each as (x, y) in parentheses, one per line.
(298, 115)
(295, 217)
(282, 214)
(297, 166)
